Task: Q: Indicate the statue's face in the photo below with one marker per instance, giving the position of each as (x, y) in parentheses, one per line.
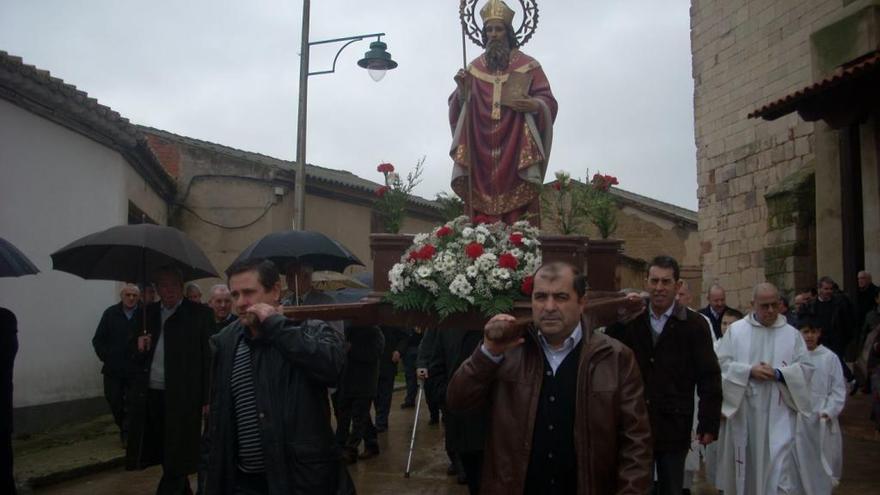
(495, 31)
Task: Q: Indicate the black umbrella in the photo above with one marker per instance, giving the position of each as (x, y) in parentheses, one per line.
(132, 253)
(304, 246)
(13, 263)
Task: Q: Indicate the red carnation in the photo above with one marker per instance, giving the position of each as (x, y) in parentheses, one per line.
(482, 219)
(516, 239)
(528, 284)
(427, 251)
(380, 192)
(385, 168)
(443, 231)
(557, 185)
(473, 250)
(508, 260)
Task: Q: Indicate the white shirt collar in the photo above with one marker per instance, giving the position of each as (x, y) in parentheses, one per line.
(666, 314)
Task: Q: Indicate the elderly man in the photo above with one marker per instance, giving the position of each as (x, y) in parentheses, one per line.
(170, 390)
(118, 325)
(674, 349)
(269, 427)
(221, 304)
(193, 292)
(766, 380)
(716, 308)
(298, 276)
(565, 403)
(501, 115)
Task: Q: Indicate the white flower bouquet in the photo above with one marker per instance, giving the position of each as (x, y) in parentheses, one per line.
(461, 265)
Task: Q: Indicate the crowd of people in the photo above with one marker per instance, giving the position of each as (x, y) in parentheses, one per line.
(233, 390)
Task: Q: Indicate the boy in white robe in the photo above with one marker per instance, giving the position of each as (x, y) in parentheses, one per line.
(729, 317)
(765, 379)
(828, 395)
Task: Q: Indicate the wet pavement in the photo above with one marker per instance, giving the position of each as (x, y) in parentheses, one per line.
(384, 474)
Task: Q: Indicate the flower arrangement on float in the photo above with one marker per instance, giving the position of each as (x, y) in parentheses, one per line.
(466, 264)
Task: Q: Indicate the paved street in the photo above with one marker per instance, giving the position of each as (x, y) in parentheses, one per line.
(385, 473)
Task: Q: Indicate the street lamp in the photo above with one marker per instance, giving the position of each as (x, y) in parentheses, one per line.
(377, 61)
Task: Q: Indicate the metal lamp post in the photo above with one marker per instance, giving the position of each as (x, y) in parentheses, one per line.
(377, 61)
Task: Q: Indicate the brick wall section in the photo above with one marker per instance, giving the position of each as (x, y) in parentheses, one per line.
(746, 53)
(167, 152)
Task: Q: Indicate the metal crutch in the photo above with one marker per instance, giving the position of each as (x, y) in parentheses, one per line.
(412, 440)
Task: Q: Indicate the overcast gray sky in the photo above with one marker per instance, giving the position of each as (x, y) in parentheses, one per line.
(227, 71)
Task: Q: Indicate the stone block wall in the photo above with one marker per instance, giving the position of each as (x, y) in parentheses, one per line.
(747, 53)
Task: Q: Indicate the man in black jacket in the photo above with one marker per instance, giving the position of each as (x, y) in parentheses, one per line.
(357, 390)
(269, 427)
(8, 349)
(220, 302)
(169, 388)
(716, 308)
(465, 433)
(391, 356)
(674, 350)
(117, 326)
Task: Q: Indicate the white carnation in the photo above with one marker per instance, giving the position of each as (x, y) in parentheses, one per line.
(460, 286)
(467, 232)
(424, 271)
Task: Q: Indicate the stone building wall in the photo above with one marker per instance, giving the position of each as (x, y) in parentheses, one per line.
(747, 53)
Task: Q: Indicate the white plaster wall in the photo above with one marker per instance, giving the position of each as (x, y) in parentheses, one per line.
(56, 186)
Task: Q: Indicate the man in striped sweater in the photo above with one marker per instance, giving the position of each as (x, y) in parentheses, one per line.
(269, 427)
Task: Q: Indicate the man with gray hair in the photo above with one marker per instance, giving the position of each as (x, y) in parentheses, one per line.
(118, 324)
(765, 448)
(716, 308)
(221, 304)
(193, 292)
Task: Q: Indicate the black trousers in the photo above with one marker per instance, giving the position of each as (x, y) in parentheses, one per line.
(670, 472)
(116, 392)
(473, 469)
(409, 372)
(169, 484)
(250, 484)
(7, 482)
(354, 424)
(384, 391)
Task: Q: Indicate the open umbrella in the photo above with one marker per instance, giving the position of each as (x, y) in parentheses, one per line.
(13, 263)
(131, 253)
(304, 246)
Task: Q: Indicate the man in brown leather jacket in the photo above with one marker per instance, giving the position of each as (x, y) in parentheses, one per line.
(565, 403)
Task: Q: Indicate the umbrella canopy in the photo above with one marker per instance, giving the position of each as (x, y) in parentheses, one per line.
(13, 263)
(327, 280)
(132, 253)
(304, 246)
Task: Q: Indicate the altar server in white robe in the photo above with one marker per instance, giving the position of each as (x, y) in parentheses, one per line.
(766, 383)
(828, 395)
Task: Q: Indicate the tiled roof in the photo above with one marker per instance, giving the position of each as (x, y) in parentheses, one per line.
(313, 172)
(842, 74)
(677, 213)
(37, 91)
(670, 211)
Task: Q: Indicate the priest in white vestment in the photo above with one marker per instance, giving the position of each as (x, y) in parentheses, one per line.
(766, 383)
(828, 396)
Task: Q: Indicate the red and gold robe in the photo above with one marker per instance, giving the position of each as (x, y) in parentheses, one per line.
(505, 151)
